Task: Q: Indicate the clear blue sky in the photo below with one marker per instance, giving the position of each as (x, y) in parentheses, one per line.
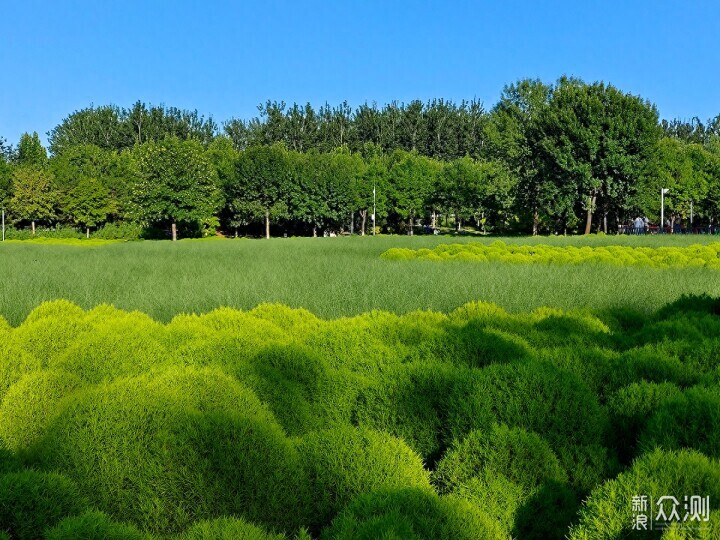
(224, 57)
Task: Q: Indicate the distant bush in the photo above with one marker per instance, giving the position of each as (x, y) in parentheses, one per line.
(608, 511)
(119, 231)
(227, 528)
(93, 526)
(412, 513)
(687, 420)
(662, 257)
(11, 233)
(345, 462)
(32, 501)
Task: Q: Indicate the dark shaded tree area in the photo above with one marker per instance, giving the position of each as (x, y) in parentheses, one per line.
(547, 158)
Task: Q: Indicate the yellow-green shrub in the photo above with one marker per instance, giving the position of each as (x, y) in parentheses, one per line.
(30, 405)
(227, 528)
(93, 526)
(344, 462)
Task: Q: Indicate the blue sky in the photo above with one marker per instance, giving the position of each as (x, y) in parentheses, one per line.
(223, 58)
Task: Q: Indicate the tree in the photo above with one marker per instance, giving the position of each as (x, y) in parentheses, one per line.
(177, 183)
(594, 141)
(88, 203)
(34, 196)
(261, 185)
(31, 152)
(509, 132)
(370, 188)
(412, 181)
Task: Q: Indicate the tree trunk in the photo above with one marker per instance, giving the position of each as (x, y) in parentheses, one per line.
(33, 228)
(174, 231)
(605, 222)
(410, 231)
(536, 221)
(591, 207)
(352, 223)
(87, 232)
(434, 219)
(458, 222)
(314, 231)
(267, 224)
(363, 215)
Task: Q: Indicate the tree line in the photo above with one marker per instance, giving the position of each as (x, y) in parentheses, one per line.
(547, 158)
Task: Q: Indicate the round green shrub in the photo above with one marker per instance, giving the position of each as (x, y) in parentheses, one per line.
(31, 501)
(512, 475)
(607, 513)
(14, 363)
(687, 420)
(116, 344)
(344, 462)
(31, 403)
(533, 395)
(303, 393)
(475, 345)
(50, 329)
(408, 402)
(93, 526)
(522, 457)
(227, 528)
(412, 514)
(630, 408)
(164, 450)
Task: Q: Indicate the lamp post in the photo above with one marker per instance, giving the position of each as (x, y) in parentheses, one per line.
(373, 216)
(663, 191)
(3, 223)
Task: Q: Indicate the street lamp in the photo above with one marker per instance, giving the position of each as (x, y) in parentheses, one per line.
(373, 216)
(663, 191)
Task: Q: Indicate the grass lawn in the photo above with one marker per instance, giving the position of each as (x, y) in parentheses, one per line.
(329, 276)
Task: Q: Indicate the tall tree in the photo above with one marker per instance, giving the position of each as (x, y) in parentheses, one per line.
(595, 140)
(34, 196)
(261, 185)
(177, 183)
(412, 181)
(88, 203)
(509, 132)
(31, 152)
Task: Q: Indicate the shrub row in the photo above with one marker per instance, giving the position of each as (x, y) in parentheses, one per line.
(695, 256)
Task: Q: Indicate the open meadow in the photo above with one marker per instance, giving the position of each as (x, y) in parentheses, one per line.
(331, 277)
(328, 389)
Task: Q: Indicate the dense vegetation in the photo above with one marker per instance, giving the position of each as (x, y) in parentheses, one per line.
(695, 256)
(546, 158)
(332, 277)
(273, 423)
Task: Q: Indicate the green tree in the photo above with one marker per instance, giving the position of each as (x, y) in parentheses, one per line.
(34, 196)
(509, 133)
(594, 141)
(177, 183)
(88, 203)
(261, 186)
(31, 152)
(412, 181)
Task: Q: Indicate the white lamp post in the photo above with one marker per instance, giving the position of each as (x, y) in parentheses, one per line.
(373, 216)
(663, 191)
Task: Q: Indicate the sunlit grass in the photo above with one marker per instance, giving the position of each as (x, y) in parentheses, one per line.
(330, 276)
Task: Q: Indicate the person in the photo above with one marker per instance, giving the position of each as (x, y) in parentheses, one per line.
(639, 225)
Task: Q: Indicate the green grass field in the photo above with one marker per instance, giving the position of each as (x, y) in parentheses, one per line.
(329, 276)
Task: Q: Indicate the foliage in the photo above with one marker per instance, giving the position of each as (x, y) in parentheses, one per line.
(30, 501)
(93, 526)
(227, 529)
(694, 256)
(412, 514)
